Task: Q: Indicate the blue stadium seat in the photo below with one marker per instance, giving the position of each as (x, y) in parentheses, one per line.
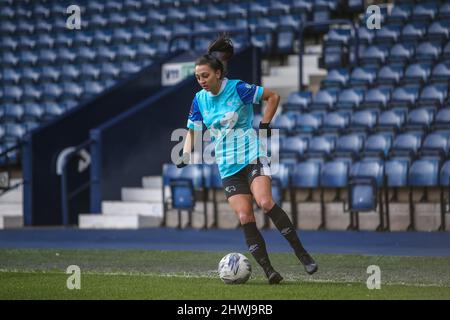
(396, 171)
(441, 73)
(82, 39)
(375, 55)
(350, 98)
(335, 122)
(401, 12)
(28, 58)
(50, 73)
(444, 10)
(306, 175)
(72, 90)
(174, 15)
(428, 51)
(401, 53)
(420, 119)
(363, 76)
(260, 8)
(292, 149)
(377, 97)
(366, 178)
(237, 10)
(44, 40)
(433, 95)
(417, 73)
(414, 32)
(92, 88)
(425, 11)
(31, 93)
(320, 147)
(424, 173)
(33, 112)
(378, 144)
(52, 91)
(324, 99)
(12, 113)
(334, 174)
(65, 56)
(349, 145)
(404, 96)
(12, 93)
(298, 101)
(69, 72)
(52, 110)
(389, 34)
(439, 31)
(336, 78)
(442, 119)
(14, 132)
(105, 54)
(308, 123)
(280, 7)
(364, 120)
(407, 144)
(29, 75)
(435, 143)
(11, 76)
(89, 72)
(283, 122)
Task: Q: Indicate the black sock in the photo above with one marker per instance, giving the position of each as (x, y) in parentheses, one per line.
(287, 229)
(257, 246)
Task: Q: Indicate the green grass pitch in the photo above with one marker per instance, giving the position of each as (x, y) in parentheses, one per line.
(187, 275)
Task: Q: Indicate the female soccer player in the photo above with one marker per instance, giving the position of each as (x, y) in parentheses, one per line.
(225, 106)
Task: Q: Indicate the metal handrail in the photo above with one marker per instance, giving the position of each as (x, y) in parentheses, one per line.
(65, 195)
(5, 153)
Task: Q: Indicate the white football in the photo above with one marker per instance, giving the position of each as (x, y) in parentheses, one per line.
(234, 268)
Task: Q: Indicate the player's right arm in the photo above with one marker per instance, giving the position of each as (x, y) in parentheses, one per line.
(194, 122)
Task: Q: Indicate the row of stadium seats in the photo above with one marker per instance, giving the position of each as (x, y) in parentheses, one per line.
(407, 24)
(358, 98)
(106, 15)
(363, 179)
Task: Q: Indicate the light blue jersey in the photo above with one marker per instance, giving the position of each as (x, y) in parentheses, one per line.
(229, 117)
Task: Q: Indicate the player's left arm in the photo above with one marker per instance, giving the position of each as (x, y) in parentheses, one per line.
(273, 100)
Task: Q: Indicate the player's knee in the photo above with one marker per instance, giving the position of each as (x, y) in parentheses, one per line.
(265, 203)
(245, 217)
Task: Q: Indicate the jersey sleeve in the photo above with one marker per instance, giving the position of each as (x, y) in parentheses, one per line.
(249, 93)
(195, 118)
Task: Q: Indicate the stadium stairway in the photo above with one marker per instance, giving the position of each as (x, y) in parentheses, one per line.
(143, 208)
(11, 213)
(139, 208)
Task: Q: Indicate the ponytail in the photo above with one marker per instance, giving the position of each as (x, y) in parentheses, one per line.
(219, 53)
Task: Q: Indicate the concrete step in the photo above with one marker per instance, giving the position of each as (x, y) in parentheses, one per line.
(11, 209)
(152, 182)
(142, 195)
(119, 221)
(132, 208)
(12, 196)
(9, 222)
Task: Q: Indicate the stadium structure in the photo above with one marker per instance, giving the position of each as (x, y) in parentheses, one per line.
(87, 111)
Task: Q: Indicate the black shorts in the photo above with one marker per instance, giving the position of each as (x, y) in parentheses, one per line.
(239, 183)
